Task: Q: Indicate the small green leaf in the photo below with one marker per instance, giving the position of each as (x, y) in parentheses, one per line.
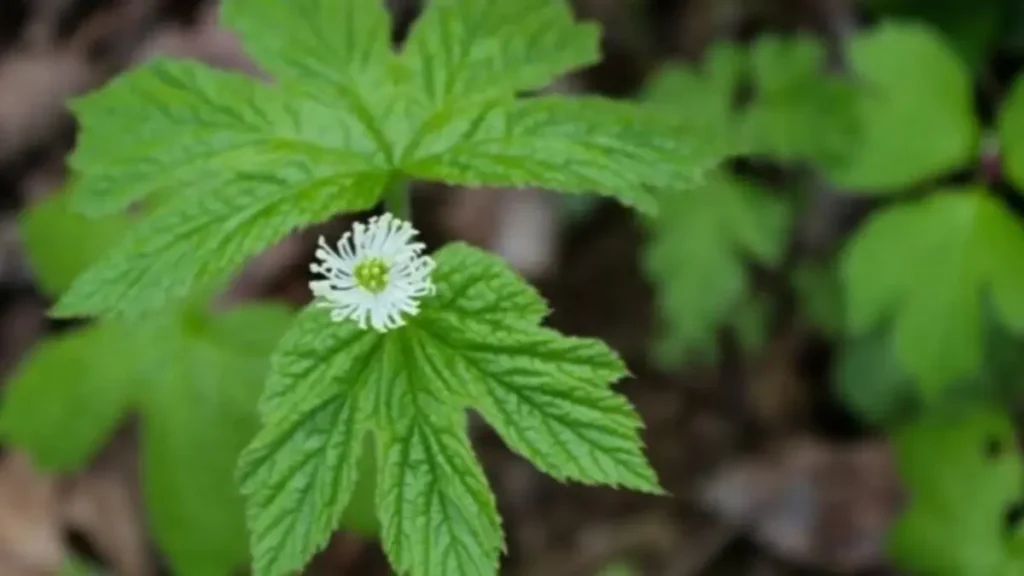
(932, 266)
(1011, 134)
(61, 243)
(70, 394)
(475, 344)
(799, 113)
(697, 255)
(477, 49)
(916, 110)
(706, 95)
(194, 379)
(964, 474)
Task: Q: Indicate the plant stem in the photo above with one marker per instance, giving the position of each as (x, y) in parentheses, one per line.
(396, 199)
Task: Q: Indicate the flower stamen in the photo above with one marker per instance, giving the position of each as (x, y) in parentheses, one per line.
(376, 275)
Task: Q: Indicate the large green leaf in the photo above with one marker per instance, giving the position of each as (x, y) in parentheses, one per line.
(239, 163)
(698, 252)
(475, 344)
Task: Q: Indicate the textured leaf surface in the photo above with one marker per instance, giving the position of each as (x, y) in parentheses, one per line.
(182, 128)
(964, 474)
(915, 107)
(697, 254)
(472, 49)
(933, 267)
(799, 111)
(238, 163)
(195, 380)
(310, 41)
(195, 243)
(61, 243)
(572, 145)
(476, 344)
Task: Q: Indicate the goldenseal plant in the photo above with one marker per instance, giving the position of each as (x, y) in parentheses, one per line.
(397, 344)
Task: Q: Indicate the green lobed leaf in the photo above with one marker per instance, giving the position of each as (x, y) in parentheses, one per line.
(964, 474)
(915, 110)
(239, 163)
(194, 379)
(475, 344)
(477, 49)
(1011, 134)
(182, 128)
(300, 42)
(697, 254)
(563, 144)
(191, 244)
(707, 93)
(800, 112)
(61, 243)
(932, 266)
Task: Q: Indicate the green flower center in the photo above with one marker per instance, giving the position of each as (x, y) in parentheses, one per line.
(372, 275)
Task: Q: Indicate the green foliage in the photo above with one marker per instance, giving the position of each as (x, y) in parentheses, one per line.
(973, 29)
(932, 266)
(871, 382)
(916, 110)
(704, 93)
(964, 474)
(243, 163)
(1011, 134)
(703, 238)
(698, 252)
(55, 264)
(193, 378)
(799, 113)
(475, 344)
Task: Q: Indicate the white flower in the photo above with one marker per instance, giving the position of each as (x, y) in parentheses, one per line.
(377, 275)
